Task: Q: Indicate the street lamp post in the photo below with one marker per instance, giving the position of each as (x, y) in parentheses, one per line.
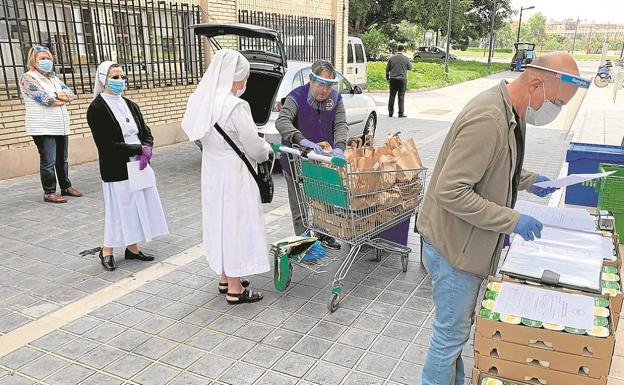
(448, 36)
(520, 20)
(492, 34)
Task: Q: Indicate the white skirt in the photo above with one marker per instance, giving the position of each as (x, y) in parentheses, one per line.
(131, 216)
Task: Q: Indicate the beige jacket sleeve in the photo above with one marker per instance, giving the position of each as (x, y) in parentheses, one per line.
(527, 178)
(472, 151)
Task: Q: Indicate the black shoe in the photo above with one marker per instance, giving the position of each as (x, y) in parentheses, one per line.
(390, 114)
(140, 256)
(329, 242)
(108, 261)
(402, 116)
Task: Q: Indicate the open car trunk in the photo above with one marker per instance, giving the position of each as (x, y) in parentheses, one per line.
(260, 93)
(264, 49)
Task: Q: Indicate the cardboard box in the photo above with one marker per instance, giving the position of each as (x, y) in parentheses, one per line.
(477, 376)
(563, 362)
(559, 341)
(532, 373)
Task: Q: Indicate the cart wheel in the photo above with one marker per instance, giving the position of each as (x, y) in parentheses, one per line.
(378, 254)
(404, 261)
(333, 303)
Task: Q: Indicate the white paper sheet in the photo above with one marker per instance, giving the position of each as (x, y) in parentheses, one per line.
(572, 179)
(140, 179)
(551, 306)
(567, 218)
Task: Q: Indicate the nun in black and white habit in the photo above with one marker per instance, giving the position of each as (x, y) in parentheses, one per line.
(133, 212)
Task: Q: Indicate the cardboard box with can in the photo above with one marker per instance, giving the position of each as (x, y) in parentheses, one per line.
(532, 373)
(479, 378)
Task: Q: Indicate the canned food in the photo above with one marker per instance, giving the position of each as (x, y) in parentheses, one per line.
(489, 314)
(601, 312)
(491, 381)
(599, 331)
(610, 269)
(575, 330)
(531, 323)
(491, 295)
(610, 285)
(601, 321)
(488, 304)
(601, 302)
(510, 319)
(494, 286)
(610, 292)
(555, 327)
(610, 277)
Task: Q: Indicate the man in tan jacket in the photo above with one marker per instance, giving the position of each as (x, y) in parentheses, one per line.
(467, 209)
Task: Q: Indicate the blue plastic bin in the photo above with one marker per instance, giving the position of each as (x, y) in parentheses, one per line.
(584, 158)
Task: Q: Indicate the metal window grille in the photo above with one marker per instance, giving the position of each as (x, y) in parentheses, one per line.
(305, 38)
(150, 39)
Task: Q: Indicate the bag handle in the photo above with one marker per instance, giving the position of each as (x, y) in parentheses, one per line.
(238, 151)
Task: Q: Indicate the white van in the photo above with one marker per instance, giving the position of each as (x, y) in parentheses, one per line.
(356, 71)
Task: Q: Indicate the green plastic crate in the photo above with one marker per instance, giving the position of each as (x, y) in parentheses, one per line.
(611, 194)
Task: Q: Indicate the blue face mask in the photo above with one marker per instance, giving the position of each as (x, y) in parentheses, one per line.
(116, 86)
(45, 65)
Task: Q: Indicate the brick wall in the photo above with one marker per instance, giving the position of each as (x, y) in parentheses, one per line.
(158, 105)
(162, 109)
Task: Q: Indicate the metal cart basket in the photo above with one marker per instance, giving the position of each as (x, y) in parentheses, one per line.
(354, 206)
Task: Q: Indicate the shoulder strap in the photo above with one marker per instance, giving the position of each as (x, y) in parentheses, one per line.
(237, 150)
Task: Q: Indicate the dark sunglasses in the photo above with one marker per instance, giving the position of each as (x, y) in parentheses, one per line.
(117, 77)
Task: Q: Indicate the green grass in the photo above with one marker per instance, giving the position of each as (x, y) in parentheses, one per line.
(429, 74)
(478, 52)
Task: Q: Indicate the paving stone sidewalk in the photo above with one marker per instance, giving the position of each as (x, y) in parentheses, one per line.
(177, 329)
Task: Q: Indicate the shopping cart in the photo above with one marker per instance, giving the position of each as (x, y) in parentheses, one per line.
(353, 206)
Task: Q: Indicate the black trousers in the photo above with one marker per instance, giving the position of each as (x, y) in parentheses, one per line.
(397, 86)
(53, 157)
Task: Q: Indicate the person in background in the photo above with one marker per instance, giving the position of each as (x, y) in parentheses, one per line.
(233, 219)
(121, 136)
(311, 114)
(468, 206)
(47, 121)
(396, 75)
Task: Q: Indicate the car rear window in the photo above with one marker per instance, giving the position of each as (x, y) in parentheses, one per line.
(359, 53)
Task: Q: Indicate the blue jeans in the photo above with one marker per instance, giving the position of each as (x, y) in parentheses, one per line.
(455, 295)
(53, 152)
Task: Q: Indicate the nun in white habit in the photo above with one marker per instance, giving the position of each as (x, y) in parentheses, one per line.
(131, 215)
(233, 220)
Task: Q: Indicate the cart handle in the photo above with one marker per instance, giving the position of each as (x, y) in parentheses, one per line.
(335, 160)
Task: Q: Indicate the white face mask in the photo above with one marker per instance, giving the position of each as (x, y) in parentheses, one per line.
(545, 114)
(241, 91)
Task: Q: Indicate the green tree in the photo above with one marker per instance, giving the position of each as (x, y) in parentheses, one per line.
(505, 36)
(559, 43)
(534, 30)
(375, 42)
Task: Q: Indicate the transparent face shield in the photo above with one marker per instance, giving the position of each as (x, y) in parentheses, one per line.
(323, 93)
(570, 88)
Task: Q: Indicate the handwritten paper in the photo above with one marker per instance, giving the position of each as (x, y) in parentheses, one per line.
(572, 179)
(551, 306)
(140, 179)
(567, 218)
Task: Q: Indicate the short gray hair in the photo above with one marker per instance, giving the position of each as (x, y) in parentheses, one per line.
(323, 65)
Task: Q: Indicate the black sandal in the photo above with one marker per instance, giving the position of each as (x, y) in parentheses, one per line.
(245, 297)
(223, 287)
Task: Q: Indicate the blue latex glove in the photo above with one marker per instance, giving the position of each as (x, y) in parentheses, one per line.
(528, 228)
(338, 152)
(541, 191)
(311, 145)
